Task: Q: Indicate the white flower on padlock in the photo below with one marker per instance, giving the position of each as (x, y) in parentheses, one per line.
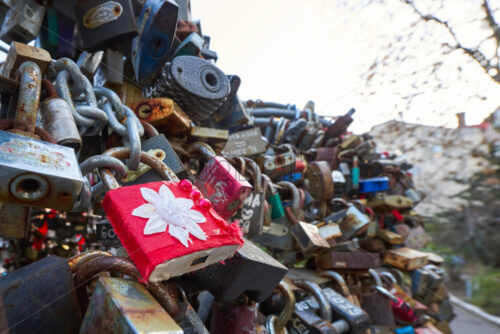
(165, 210)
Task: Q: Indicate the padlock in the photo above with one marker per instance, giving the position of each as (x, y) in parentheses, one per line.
(390, 237)
(56, 181)
(245, 143)
(57, 118)
(89, 62)
(161, 255)
(104, 23)
(278, 235)
(277, 166)
(165, 294)
(423, 282)
(186, 317)
(160, 147)
(276, 324)
(14, 220)
(20, 53)
(355, 223)
(308, 237)
(328, 230)
(405, 258)
(22, 22)
(164, 114)
(274, 199)
(376, 184)
(219, 182)
(343, 288)
(110, 72)
(349, 318)
(319, 181)
(36, 297)
(198, 86)
(386, 203)
(105, 234)
(123, 306)
(305, 318)
(377, 305)
(339, 260)
(394, 288)
(150, 50)
(252, 211)
(402, 311)
(236, 276)
(228, 318)
(339, 126)
(214, 137)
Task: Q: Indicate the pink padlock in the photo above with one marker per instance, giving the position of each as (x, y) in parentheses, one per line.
(220, 182)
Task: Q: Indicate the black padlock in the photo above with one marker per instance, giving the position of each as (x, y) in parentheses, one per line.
(103, 24)
(237, 275)
(40, 298)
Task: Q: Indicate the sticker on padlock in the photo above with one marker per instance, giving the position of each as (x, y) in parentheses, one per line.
(169, 242)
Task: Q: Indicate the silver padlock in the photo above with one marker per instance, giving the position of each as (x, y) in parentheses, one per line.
(22, 22)
(35, 172)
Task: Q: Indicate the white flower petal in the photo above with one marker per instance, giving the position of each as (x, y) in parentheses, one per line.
(150, 195)
(195, 216)
(183, 204)
(145, 211)
(195, 230)
(155, 225)
(166, 194)
(180, 234)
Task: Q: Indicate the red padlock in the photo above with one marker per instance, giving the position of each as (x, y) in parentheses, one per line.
(220, 182)
(167, 228)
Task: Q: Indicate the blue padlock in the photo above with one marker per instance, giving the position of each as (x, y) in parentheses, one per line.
(292, 177)
(404, 330)
(373, 185)
(150, 50)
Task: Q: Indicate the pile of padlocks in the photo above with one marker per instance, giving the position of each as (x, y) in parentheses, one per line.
(141, 195)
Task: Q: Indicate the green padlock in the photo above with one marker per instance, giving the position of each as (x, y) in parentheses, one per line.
(274, 200)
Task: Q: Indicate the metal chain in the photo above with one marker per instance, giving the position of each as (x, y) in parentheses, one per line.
(131, 132)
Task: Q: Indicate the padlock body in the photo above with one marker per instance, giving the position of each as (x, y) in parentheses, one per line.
(104, 23)
(159, 256)
(123, 306)
(164, 114)
(22, 22)
(223, 186)
(38, 173)
(150, 50)
(58, 120)
(37, 297)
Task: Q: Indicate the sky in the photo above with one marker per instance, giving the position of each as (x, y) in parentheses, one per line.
(292, 51)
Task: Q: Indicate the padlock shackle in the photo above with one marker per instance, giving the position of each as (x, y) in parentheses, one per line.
(344, 290)
(295, 195)
(389, 276)
(149, 130)
(238, 162)
(104, 161)
(287, 312)
(156, 164)
(30, 78)
(201, 149)
(257, 175)
(77, 261)
(375, 276)
(314, 289)
(117, 265)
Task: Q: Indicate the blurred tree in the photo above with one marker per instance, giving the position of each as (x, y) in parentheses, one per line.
(441, 51)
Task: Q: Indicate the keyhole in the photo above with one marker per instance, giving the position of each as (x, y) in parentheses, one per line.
(211, 79)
